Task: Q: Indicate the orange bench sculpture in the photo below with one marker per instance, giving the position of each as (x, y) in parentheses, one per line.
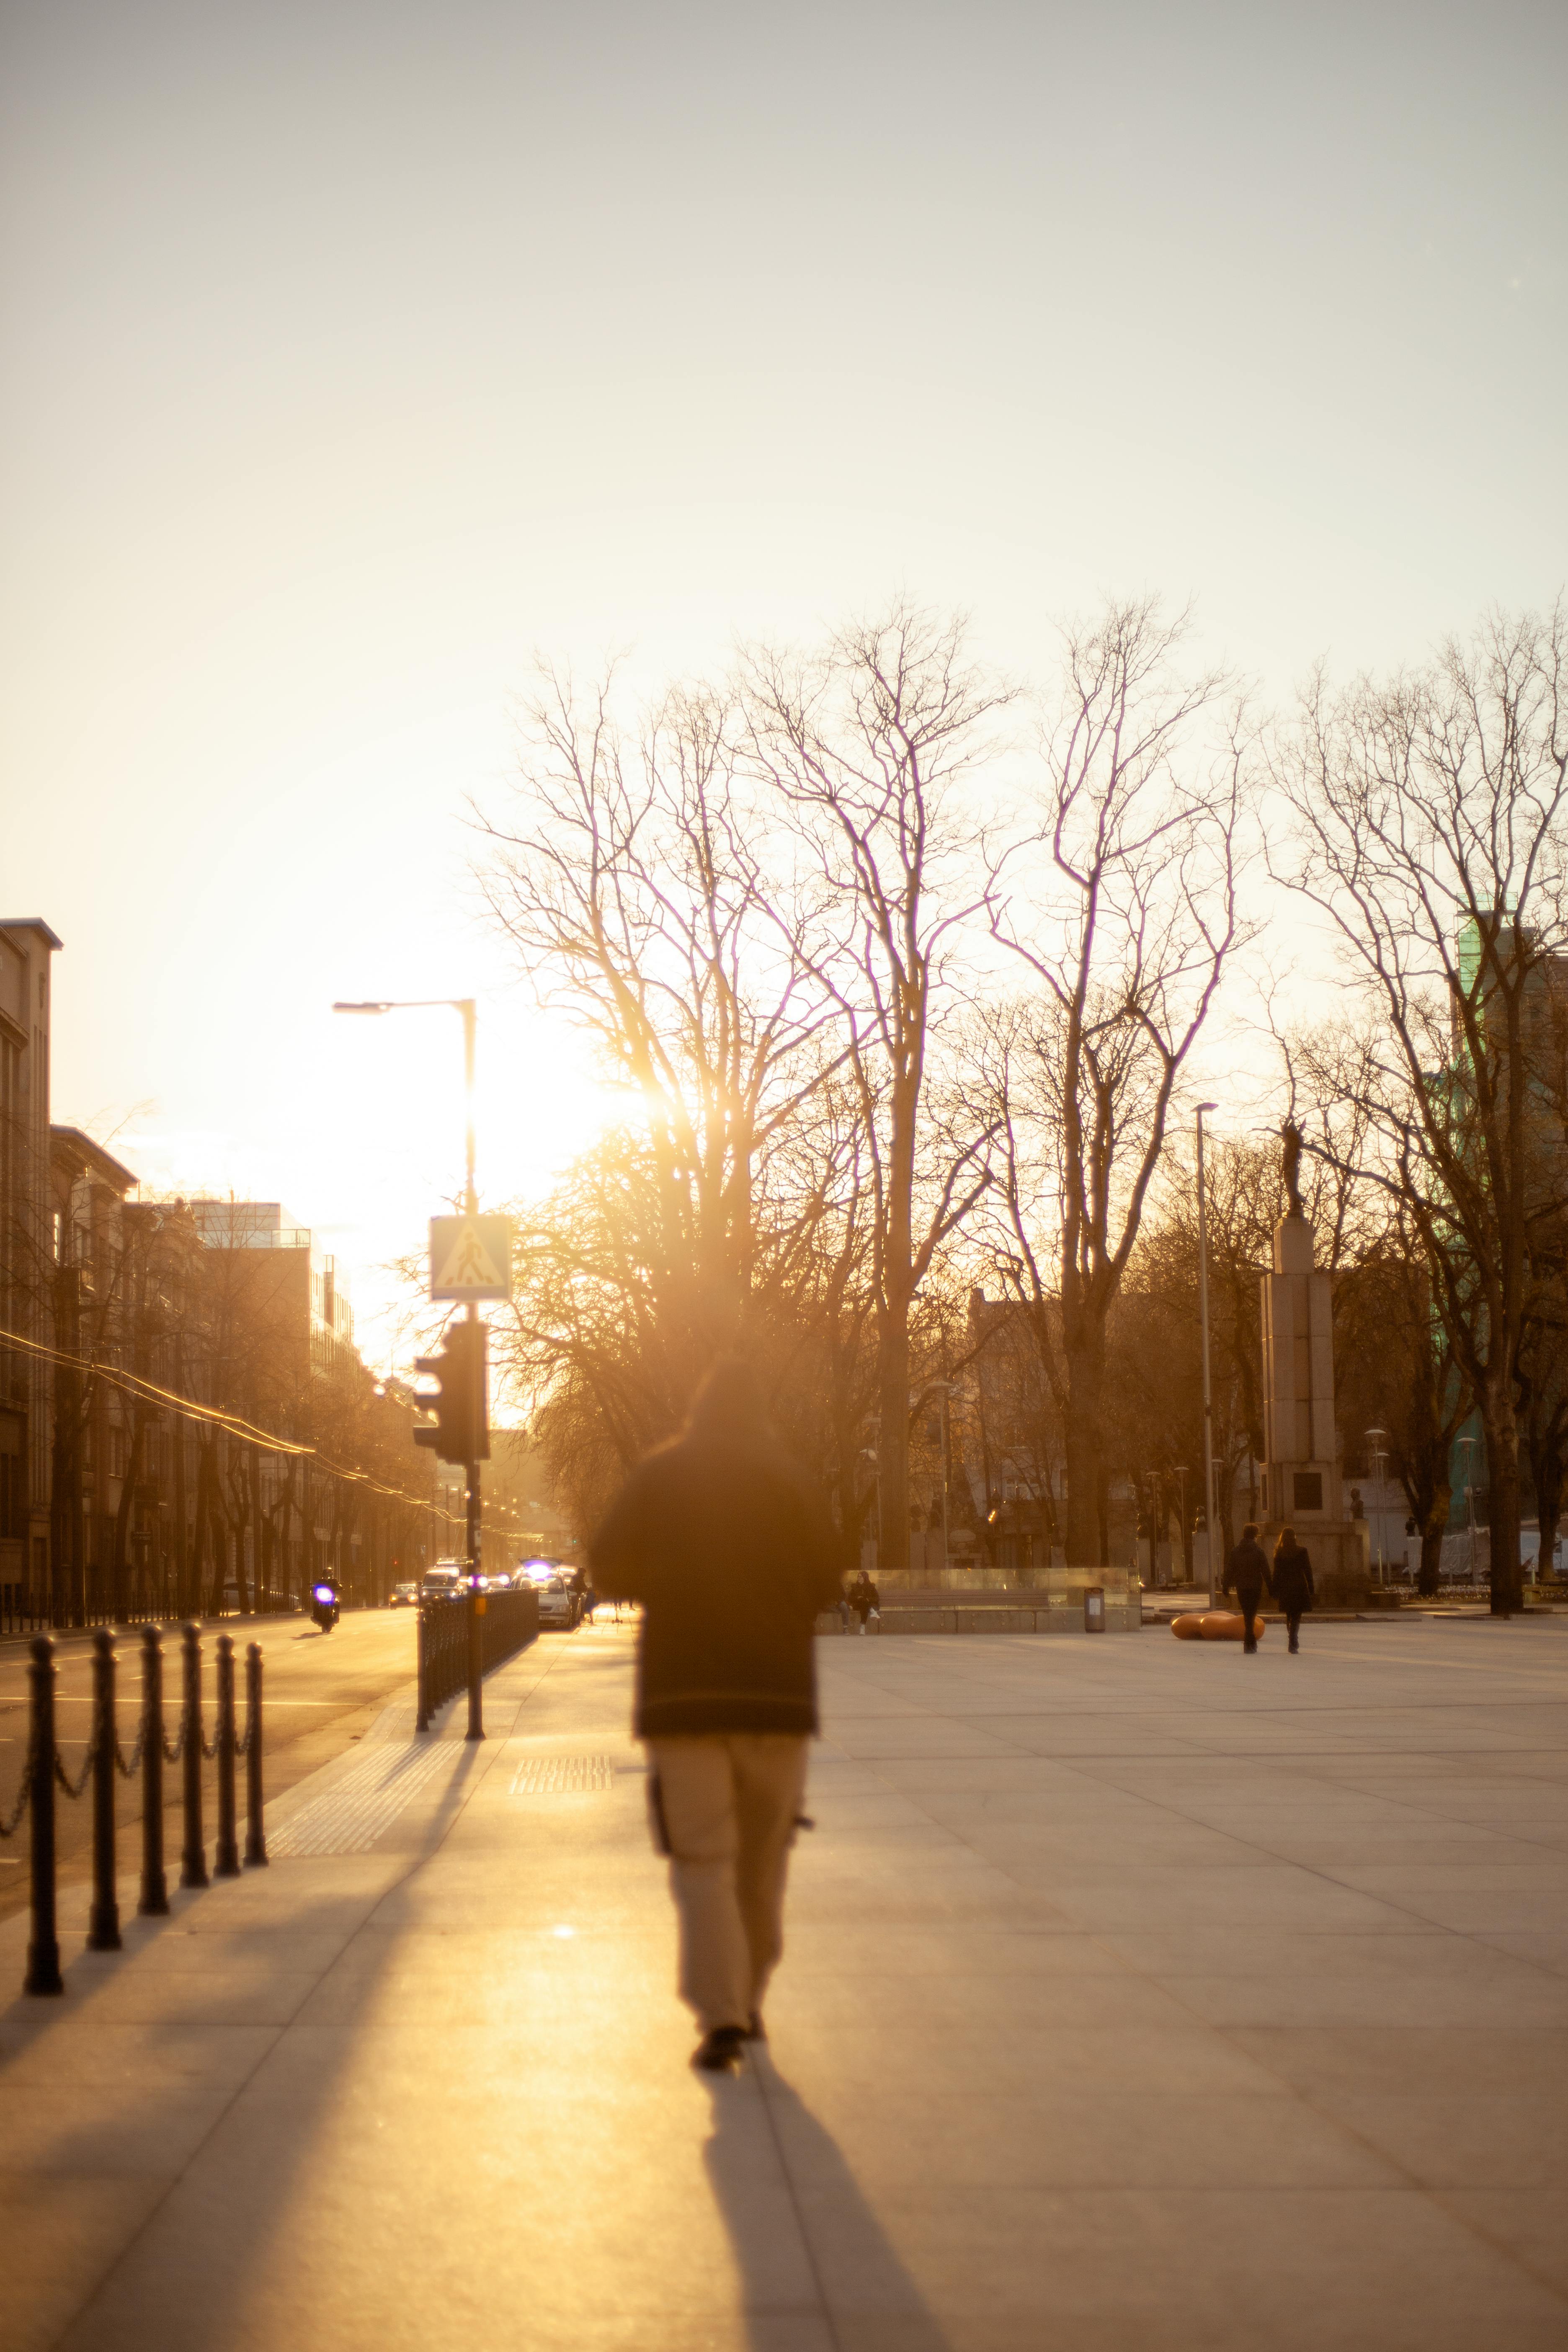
(1213, 1626)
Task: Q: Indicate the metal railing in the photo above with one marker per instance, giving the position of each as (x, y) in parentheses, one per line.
(508, 1622)
(23, 1609)
(44, 1774)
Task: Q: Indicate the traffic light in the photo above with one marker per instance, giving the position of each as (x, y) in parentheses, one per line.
(461, 1431)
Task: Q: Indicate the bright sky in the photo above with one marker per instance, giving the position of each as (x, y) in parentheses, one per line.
(353, 351)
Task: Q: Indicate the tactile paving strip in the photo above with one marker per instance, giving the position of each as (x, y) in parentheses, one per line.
(351, 1815)
(560, 1776)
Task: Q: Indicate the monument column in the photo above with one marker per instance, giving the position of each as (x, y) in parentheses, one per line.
(1302, 1487)
(1301, 1478)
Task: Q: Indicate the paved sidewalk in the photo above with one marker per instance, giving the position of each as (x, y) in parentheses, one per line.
(1138, 1995)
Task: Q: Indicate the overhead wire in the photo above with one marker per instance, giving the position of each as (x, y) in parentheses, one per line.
(231, 1424)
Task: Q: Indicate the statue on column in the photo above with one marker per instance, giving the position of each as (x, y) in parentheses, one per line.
(1292, 1167)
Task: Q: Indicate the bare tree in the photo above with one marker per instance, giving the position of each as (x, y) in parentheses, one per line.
(1126, 914)
(591, 1349)
(871, 745)
(1430, 832)
(630, 879)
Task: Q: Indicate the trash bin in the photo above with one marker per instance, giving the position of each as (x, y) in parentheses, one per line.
(1094, 1608)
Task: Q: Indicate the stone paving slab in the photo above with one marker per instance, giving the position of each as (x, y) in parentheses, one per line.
(1137, 1995)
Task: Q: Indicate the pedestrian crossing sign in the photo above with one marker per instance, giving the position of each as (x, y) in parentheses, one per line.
(470, 1257)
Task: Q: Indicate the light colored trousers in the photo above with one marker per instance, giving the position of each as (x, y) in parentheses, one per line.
(727, 1806)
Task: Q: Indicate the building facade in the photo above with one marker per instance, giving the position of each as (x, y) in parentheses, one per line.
(28, 948)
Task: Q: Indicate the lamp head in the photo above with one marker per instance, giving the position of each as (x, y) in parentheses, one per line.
(361, 1008)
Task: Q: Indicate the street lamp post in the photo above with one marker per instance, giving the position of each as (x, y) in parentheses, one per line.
(873, 1454)
(1156, 1497)
(466, 1007)
(1470, 1445)
(1208, 1388)
(1379, 1437)
(1180, 1469)
(944, 1390)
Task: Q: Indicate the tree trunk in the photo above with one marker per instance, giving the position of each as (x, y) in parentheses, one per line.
(1500, 1428)
(1085, 1357)
(181, 1521)
(119, 1601)
(893, 1439)
(1546, 1467)
(206, 1521)
(1433, 1523)
(1548, 1514)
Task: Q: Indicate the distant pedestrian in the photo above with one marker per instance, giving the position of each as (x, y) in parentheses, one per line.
(865, 1599)
(1246, 1575)
(1292, 1582)
(733, 1555)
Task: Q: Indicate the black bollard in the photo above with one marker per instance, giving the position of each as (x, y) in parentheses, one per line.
(103, 1918)
(255, 1828)
(44, 1950)
(423, 1641)
(193, 1859)
(226, 1861)
(154, 1900)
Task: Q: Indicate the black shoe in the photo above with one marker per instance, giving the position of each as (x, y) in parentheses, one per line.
(1249, 1649)
(718, 2053)
(756, 2031)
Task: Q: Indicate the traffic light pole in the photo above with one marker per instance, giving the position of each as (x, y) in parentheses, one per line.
(475, 1729)
(465, 1410)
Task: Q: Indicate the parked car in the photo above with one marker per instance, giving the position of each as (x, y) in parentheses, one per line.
(560, 1607)
(558, 1589)
(404, 1596)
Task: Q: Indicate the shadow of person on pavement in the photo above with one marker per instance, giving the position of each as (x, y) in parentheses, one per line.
(808, 2245)
(179, 2088)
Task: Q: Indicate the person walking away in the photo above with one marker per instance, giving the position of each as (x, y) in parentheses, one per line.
(864, 1598)
(1246, 1575)
(732, 1554)
(1292, 1582)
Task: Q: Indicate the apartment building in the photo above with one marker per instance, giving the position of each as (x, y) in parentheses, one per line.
(28, 947)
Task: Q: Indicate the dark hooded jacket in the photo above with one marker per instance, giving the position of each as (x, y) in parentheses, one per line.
(732, 1554)
(1248, 1567)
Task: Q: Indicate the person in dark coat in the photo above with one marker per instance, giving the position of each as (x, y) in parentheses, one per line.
(1292, 1582)
(732, 1554)
(863, 1598)
(1246, 1575)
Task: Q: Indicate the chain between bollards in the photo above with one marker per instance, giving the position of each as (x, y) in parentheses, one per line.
(44, 1774)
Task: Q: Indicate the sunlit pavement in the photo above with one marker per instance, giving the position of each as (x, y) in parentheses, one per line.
(1138, 1995)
